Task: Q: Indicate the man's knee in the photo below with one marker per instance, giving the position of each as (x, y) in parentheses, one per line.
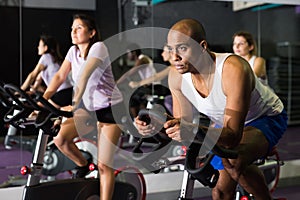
(222, 193)
(225, 187)
(234, 168)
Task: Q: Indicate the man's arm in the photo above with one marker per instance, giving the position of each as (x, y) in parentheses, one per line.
(238, 82)
(179, 128)
(182, 108)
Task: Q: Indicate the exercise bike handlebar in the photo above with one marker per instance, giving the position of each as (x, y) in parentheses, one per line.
(148, 115)
(26, 104)
(47, 105)
(200, 168)
(17, 100)
(32, 103)
(48, 114)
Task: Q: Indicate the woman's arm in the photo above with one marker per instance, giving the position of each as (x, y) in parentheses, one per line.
(259, 68)
(37, 85)
(91, 64)
(156, 77)
(32, 76)
(60, 76)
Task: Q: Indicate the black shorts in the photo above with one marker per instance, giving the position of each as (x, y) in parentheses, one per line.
(63, 97)
(106, 115)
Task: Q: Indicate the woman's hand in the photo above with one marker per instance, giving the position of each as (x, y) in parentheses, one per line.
(134, 84)
(67, 108)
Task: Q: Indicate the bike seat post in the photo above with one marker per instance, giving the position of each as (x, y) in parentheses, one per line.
(12, 131)
(37, 160)
(187, 186)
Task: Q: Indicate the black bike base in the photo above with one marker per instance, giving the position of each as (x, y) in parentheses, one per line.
(76, 189)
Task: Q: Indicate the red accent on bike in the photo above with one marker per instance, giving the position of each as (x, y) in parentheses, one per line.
(92, 167)
(140, 175)
(201, 164)
(184, 149)
(244, 198)
(25, 170)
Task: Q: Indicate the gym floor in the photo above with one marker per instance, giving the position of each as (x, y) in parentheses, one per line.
(288, 187)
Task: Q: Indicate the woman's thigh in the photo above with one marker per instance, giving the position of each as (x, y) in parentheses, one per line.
(108, 138)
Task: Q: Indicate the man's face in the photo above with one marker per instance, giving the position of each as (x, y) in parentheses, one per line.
(184, 51)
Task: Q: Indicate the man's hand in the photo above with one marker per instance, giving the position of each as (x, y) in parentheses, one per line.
(173, 129)
(144, 128)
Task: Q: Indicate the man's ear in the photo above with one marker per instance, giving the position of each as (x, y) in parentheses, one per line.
(203, 44)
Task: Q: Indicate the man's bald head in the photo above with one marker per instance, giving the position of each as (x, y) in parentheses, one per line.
(192, 28)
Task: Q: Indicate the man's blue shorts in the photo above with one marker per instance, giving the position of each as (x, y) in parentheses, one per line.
(273, 127)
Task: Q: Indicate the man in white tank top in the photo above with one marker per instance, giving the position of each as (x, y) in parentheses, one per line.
(222, 86)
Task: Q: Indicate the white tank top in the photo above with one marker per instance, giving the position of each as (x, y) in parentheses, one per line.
(263, 100)
(251, 61)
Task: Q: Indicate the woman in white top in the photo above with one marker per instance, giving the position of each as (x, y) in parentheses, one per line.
(245, 46)
(157, 76)
(94, 90)
(48, 64)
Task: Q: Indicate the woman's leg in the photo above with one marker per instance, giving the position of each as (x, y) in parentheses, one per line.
(64, 142)
(108, 137)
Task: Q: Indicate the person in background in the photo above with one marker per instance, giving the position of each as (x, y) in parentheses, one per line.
(142, 63)
(245, 46)
(95, 91)
(248, 116)
(143, 68)
(48, 64)
(158, 77)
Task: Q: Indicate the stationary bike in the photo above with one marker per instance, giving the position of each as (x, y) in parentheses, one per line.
(78, 189)
(198, 167)
(17, 118)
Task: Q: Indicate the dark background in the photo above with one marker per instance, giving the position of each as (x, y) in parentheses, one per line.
(278, 24)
